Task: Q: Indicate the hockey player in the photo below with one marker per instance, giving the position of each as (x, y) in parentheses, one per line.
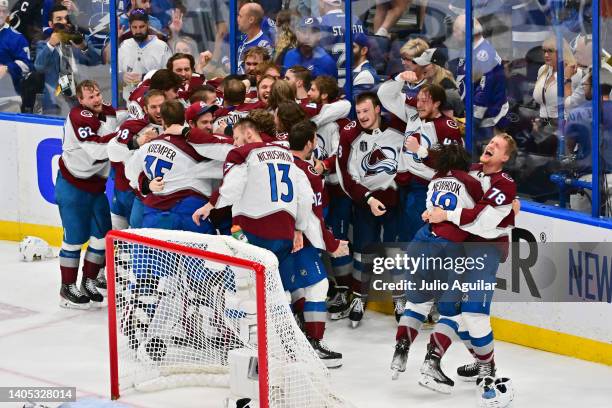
(450, 188)
(271, 198)
(234, 106)
(489, 223)
(175, 168)
(309, 270)
(184, 66)
(200, 115)
(126, 206)
(163, 80)
(367, 165)
(426, 127)
(79, 192)
(300, 77)
(323, 93)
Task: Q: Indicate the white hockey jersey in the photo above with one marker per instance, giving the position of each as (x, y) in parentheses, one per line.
(84, 162)
(184, 171)
(142, 58)
(443, 129)
(270, 196)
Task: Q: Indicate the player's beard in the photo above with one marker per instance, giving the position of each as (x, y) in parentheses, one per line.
(140, 37)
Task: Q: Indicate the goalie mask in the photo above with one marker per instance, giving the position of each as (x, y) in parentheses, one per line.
(34, 248)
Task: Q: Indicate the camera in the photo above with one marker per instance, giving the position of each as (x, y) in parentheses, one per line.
(68, 33)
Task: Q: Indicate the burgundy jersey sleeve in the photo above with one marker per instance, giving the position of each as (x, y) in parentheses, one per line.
(316, 182)
(348, 134)
(492, 216)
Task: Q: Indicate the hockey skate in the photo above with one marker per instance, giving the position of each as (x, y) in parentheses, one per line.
(468, 372)
(432, 376)
(330, 358)
(72, 298)
(399, 304)
(356, 311)
(485, 370)
(400, 358)
(89, 289)
(101, 282)
(338, 306)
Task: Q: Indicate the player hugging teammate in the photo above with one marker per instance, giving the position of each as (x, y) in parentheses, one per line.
(480, 214)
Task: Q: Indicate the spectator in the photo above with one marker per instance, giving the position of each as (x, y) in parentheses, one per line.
(365, 77)
(433, 62)
(409, 51)
(15, 62)
(308, 53)
(584, 60)
(332, 33)
(489, 82)
(154, 24)
(545, 90)
(57, 56)
(25, 17)
(249, 21)
(387, 15)
(285, 37)
(300, 78)
(141, 53)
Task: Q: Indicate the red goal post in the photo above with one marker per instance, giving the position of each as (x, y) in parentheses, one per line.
(189, 309)
(257, 268)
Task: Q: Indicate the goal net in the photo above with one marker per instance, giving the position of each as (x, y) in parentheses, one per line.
(182, 304)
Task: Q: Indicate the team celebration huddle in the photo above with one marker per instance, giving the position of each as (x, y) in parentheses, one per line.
(280, 158)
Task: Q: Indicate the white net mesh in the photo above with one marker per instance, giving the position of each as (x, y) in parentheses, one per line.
(178, 316)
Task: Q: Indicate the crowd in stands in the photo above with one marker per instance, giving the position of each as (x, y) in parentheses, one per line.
(47, 47)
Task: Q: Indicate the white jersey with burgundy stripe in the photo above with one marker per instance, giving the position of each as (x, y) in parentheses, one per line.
(267, 191)
(86, 136)
(443, 129)
(454, 190)
(492, 216)
(177, 162)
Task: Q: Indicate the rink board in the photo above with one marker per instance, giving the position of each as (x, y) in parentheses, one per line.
(29, 154)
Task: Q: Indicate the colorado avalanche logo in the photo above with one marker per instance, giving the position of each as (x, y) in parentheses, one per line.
(379, 160)
(320, 152)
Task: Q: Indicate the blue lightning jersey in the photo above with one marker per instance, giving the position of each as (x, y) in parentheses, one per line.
(332, 38)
